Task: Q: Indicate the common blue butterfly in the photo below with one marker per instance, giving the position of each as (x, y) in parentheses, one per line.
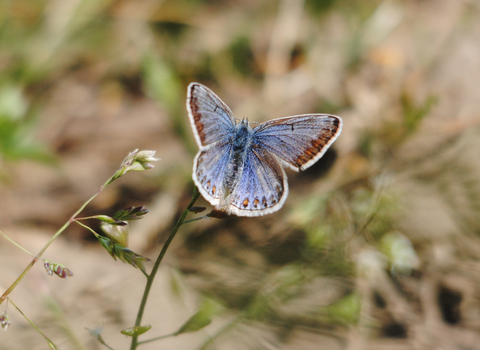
(239, 169)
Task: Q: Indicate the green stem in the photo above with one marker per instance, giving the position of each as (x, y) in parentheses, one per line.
(88, 217)
(151, 277)
(88, 228)
(156, 338)
(36, 258)
(16, 244)
(196, 219)
(222, 330)
(50, 343)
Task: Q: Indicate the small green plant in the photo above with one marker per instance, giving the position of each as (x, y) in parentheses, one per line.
(115, 241)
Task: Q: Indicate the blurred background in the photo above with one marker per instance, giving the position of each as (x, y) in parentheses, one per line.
(377, 246)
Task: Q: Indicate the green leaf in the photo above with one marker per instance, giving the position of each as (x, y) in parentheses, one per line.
(107, 244)
(136, 330)
(197, 321)
(126, 255)
(202, 318)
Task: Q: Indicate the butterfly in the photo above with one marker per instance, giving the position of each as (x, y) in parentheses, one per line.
(239, 169)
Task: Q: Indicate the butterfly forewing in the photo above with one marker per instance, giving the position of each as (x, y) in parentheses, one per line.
(262, 187)
(211, 119)
(299, 140)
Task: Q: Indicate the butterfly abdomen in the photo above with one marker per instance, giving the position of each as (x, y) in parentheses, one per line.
(240, 144)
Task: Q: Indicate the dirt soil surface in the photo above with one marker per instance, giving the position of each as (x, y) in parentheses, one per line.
(377, 246)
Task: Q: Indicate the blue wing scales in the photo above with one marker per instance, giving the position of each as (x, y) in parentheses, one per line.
(262, 188)
(299, 140)
(209, 171)
(212, 121)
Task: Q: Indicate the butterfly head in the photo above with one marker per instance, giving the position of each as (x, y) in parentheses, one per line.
(245, 125)
(242, 122)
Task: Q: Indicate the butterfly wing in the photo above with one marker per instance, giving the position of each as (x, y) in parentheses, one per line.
(300, 140)
(213, 126)
(212, 121)
(209, 171)
(262, 187)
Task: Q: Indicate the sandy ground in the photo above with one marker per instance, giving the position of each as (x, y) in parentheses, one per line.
(375, 69)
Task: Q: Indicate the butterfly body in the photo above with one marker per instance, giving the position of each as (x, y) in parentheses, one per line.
(241, 143)
(239, 169)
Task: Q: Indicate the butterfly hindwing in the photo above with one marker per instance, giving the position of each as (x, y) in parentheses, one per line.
(211, 119)
(209, 171)
(262, 187)
(299, 140)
